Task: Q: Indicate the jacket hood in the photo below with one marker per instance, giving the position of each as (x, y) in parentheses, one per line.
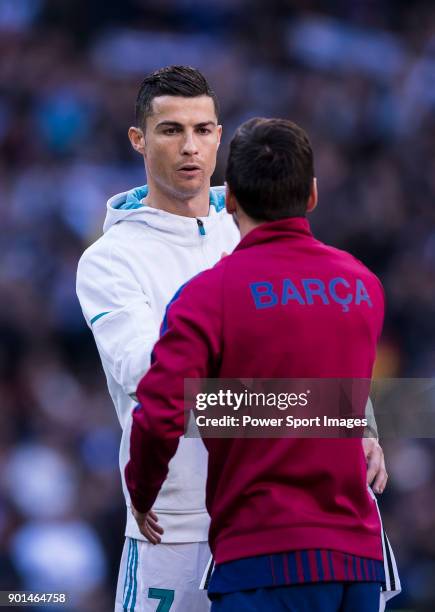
(128, 207)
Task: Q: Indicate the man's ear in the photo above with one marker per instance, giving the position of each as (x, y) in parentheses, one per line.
(312, 200)
(219, 130)
(230, 200)
(137, 139)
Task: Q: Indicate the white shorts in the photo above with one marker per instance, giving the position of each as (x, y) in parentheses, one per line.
(163, 578)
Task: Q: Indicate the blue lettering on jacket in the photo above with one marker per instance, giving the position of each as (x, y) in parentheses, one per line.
(361, 293)
(290, 292)
(314, 290)
(343, 300)
(314, 286)
(263, 294)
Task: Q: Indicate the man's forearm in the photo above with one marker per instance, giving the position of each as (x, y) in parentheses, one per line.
(371, 431)
(148, 465)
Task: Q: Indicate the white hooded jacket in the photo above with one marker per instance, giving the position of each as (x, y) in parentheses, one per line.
(124, 282)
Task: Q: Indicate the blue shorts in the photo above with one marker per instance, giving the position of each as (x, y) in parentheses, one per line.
(330, 597)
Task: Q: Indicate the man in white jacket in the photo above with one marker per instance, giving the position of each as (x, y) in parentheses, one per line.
(155, 239)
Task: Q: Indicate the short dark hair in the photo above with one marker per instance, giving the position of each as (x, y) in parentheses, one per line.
(171, 81)
(270, 169)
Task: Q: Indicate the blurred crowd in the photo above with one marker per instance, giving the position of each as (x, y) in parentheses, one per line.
(360, 78)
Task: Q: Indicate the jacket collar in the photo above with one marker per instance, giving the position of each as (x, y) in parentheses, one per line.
(290, 227)
(128, 207)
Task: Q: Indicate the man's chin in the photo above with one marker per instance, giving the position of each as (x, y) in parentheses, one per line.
(187, 191)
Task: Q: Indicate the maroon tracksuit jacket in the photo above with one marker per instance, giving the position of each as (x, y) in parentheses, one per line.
(283, 305)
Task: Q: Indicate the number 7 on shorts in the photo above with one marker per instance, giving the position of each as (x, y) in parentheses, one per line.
(166, 597)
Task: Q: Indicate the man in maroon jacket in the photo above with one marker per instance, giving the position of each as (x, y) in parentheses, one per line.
(293, 526)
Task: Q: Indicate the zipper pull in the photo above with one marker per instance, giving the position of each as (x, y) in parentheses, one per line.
(201, 227)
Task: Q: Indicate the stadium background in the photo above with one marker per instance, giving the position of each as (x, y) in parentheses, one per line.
(359, 77)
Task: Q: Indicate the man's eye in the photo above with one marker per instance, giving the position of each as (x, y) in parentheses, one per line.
(204, 130)
(170, 131)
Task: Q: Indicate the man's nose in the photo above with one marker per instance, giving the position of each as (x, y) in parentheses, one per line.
(189, 145)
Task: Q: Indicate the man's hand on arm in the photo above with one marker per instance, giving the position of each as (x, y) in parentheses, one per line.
(148, 523)
(376, 473)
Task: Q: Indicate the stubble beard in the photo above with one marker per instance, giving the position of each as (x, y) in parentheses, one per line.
(180, 194)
